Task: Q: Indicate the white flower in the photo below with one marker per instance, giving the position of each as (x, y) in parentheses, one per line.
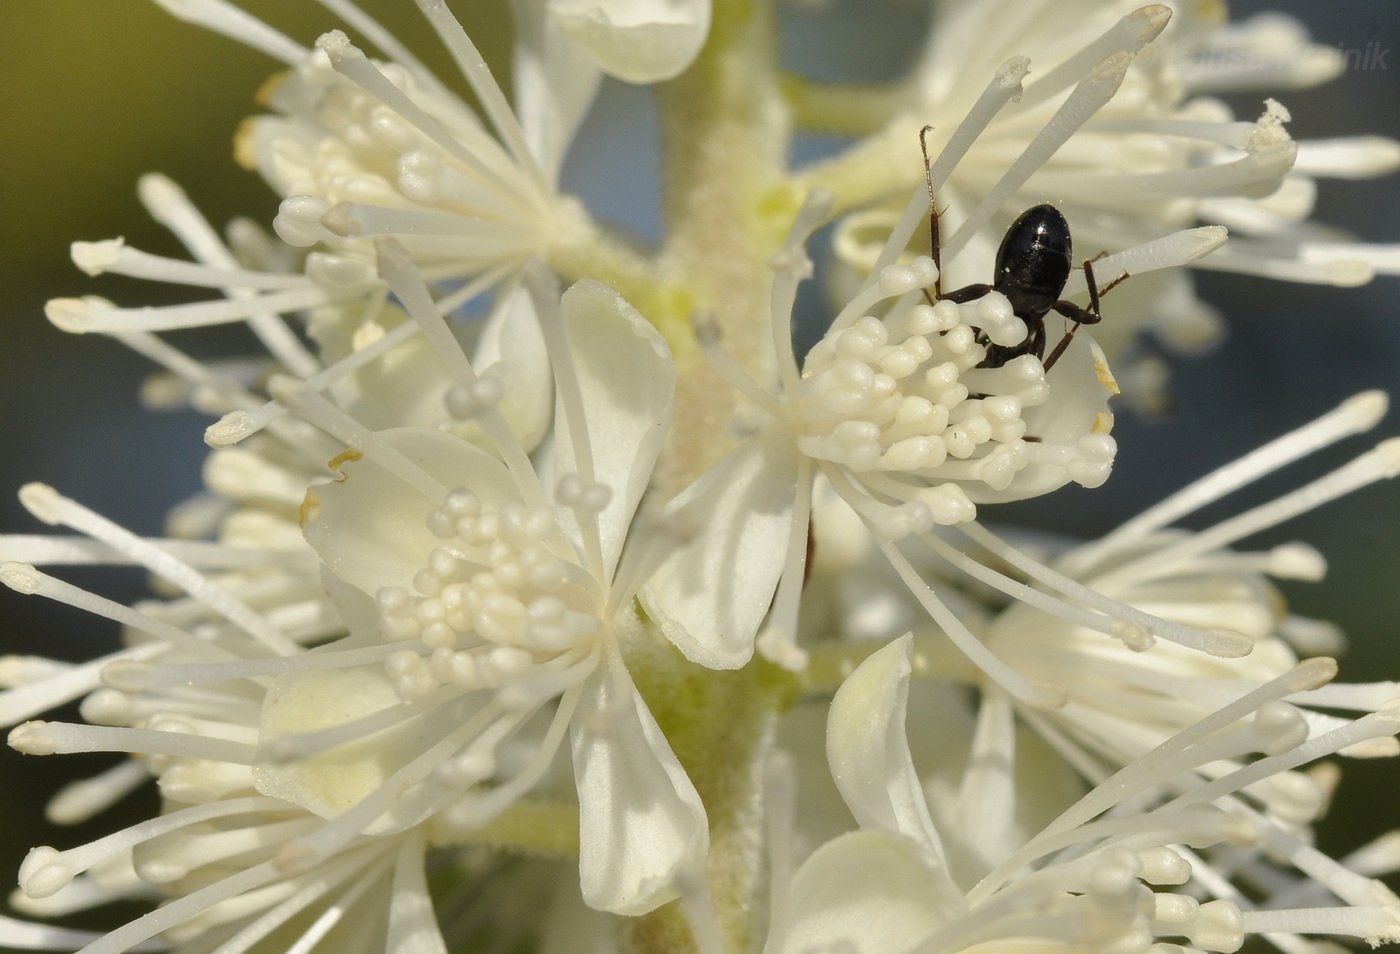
(1089, 107)
(1140, 680)
(1093, 877)
(495, 594)
(370, 359)
(901, 411)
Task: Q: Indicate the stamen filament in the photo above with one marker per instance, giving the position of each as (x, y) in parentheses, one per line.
(397, 269)
(230, 21)
(790, 266)
(1356, 415)
(1005, 87)
(168, 205)
(1381, 463)
(331, 419)
(47, 505)
(1091, 95)
(1223, 643)
(65, 738)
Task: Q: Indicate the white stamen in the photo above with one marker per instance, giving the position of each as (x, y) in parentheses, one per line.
(1356, 415)
(236, 24)
(1218, 642)
(1005, 87)
(1127, 36)
(397, 269)
(1092, 93)
(46, 504)
(484, 85)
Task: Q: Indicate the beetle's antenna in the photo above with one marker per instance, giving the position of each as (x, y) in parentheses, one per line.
(933, 231)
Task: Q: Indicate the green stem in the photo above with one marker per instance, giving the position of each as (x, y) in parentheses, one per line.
(853, 111)
(725, 140)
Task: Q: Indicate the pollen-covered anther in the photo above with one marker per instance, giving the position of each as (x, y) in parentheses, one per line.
(1134, 635)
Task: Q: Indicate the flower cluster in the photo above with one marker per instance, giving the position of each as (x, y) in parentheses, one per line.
(545, 574)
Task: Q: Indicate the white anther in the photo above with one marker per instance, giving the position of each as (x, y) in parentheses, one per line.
(1291, 797)
(1279, 727)
(397, 629)
(1164, 866)
(465, 672)
(573, 492)
(1134, 635)
(298, 220)
(402, 663)
(940, 377)
(441, 563)
(925, 271)
(441, 524)
(1297, 561)
(107, 706)
(919, 412)
(961, 341)
(912, 453)
(425, 582)
(1002, 407)
(896, 523)
(1218, 927)
(338, 271)
(420, 176)
(898, 279)
(468, 401)
(44, 873)
(922, 320)
(1114, 879)
(999, 468)
(1174, 908)
(439, 635)
(994, 308)
(949, 504)
(461, 502)
(947, 316)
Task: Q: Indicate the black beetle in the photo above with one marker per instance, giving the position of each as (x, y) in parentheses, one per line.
(1032, 266)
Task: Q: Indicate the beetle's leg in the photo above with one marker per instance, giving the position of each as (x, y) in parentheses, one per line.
(967, 293)
(1078, 315)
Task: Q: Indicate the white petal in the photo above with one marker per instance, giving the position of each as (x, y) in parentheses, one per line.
(627, 381)
(512, 340)
(869, 751)
(339, 779)
(866, 892)
(641, 824)
(711, 594)
(555, 81)
(640, 41)
(413, 927)
(370, 527)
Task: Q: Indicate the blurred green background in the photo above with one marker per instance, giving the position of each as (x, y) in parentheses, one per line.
(97, 92)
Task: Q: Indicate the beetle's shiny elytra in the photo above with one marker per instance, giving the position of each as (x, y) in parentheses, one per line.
(1032, 266)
